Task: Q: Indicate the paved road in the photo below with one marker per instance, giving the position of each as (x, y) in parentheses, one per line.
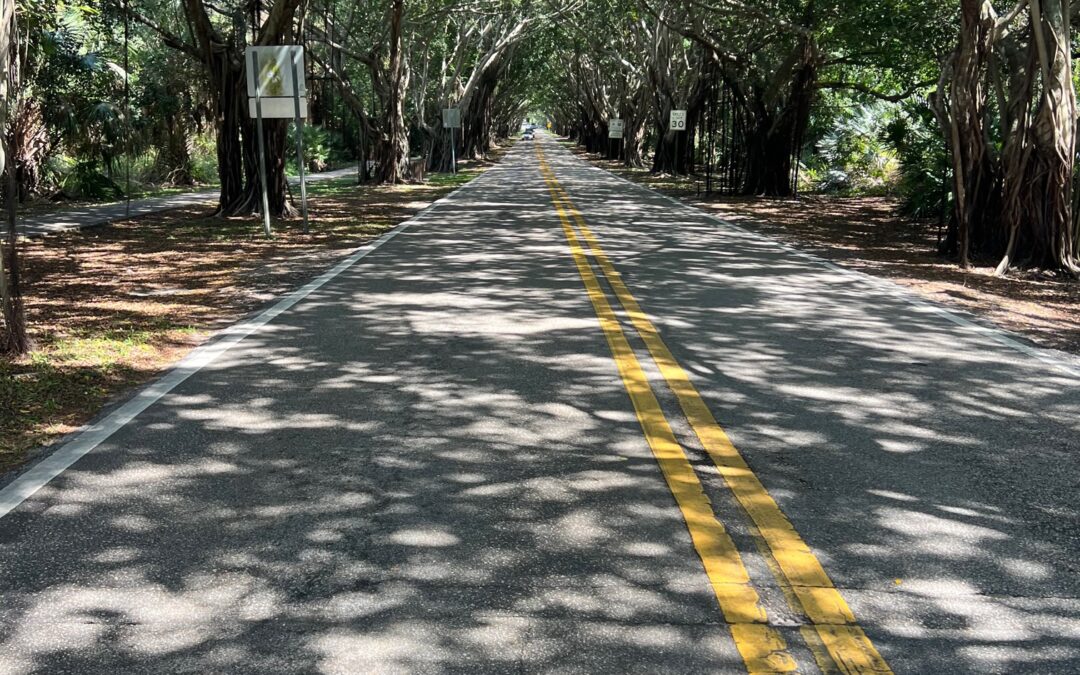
(440, 460)
(80, 217)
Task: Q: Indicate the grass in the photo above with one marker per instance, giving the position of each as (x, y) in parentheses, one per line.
(169, 190)
(110, 307)
(50, 392)
(328, 187)
(451, 180)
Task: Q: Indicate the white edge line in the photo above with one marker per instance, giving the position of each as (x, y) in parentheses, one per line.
(886, 286)
(38, 476)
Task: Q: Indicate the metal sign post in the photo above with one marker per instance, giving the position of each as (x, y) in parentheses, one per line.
(127, 110)
(274, 94)
(451, 119)
(299, 140)
(615, 132)
(262, 145)
(361, 162)
(710, 143)
(678, 125)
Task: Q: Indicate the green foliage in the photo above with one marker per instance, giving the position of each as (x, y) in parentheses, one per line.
(85, 180)
(852, 154)
(204, 163)
(925, 169)
(617, 52)
(323, 148)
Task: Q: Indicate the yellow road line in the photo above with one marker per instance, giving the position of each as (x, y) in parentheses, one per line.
(833, 620)
(762, 648)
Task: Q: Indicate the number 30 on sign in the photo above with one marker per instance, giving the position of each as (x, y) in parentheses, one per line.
(678, 120)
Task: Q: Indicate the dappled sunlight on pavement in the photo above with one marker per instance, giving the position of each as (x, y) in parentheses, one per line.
(431, 464)
(931, 468)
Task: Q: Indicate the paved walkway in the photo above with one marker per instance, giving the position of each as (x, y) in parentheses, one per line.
(100, 214)
(563, 425)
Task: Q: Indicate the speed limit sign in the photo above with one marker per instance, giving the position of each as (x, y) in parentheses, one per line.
(678, 120)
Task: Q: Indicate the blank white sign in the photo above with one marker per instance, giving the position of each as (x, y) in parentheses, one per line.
(275, 108)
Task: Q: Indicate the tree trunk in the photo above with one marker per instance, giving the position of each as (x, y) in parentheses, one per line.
(14, 339)
(224, 58)
(28, 139)
(776, 127)
(173, 164)
(395, 142)
(963, 118)
(634, 125)
(229, 112)
(633, 145)
(275, 134)
(663, 149)
(768, 159)
(1039, 159)
(476, 116)
(633, 140)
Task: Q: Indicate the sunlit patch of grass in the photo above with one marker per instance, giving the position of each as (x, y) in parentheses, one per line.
(450, 179)
(333, 186)
(99, 351)
(65, 381)
(107, 348)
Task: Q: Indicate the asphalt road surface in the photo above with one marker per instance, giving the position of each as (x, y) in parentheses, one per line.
(79, 217)
(561, 424)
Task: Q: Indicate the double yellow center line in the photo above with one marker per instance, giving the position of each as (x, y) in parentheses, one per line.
(834, 637)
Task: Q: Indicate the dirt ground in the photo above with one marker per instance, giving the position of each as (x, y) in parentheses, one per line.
(111, 307)
(866, 234)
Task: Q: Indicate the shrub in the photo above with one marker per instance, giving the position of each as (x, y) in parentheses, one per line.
(204, 163)
(85, 180)
(925, 171)
(853, 155)
(322, 148)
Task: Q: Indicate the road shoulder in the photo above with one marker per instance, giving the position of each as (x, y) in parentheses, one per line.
(111, 308)
(865, 235)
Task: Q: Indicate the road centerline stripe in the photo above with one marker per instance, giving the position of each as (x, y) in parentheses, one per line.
(761, 646)
(833, 620)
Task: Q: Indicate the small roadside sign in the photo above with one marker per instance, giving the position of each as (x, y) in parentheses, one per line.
(276, 80)
(678, 120)
(276, 88)
(615, 128)
(451, 119)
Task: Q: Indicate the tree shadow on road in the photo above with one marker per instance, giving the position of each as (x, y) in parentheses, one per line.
(933, 470)
(429, 464)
